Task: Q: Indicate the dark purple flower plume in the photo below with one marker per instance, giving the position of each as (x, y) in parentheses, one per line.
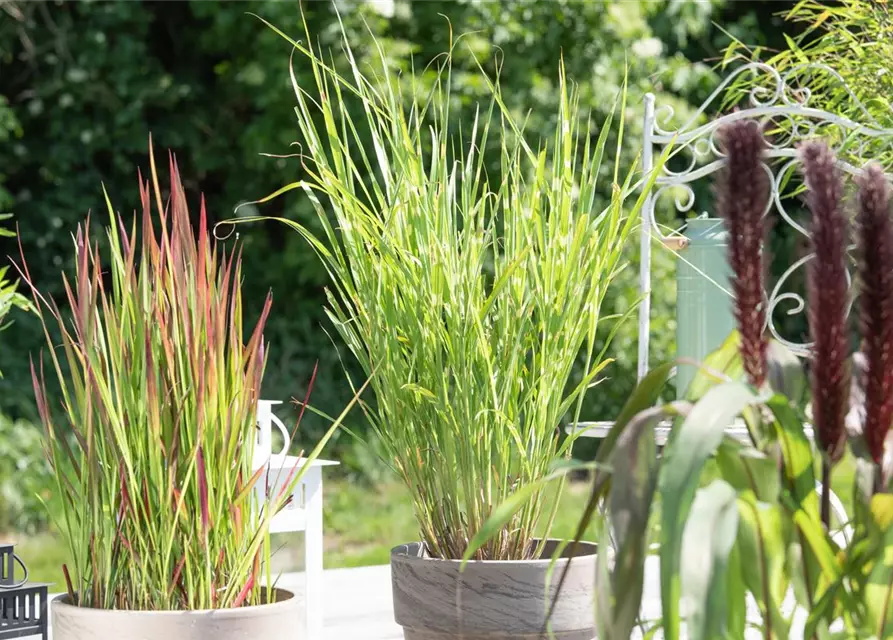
(742, 198)
(828, 299)
(875, 243)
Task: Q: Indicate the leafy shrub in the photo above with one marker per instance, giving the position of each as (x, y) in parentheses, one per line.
(844, 54)
(10, 298)
(23, 469)
(24, 477)
(81, 84)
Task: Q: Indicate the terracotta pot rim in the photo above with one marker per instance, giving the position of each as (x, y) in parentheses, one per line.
(585, 550)
(283, 601)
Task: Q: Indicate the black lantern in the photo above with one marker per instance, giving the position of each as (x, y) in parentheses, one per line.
(23, 604)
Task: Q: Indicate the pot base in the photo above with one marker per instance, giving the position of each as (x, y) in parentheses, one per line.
(435, 599)
(275, 620)
(410, 634)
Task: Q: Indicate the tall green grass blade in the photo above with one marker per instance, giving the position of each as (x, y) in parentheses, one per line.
(471, 294)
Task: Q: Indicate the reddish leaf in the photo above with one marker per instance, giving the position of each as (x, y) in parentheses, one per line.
(203, 492)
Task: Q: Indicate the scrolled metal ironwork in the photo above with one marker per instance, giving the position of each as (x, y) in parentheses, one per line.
(781, 101)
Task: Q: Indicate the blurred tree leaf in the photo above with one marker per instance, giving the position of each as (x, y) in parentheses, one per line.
(82, 85)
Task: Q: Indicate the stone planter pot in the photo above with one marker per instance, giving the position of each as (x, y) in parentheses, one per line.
(492, 600)
(276, 620)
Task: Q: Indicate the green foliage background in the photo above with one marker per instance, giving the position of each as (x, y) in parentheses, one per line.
(83, 83)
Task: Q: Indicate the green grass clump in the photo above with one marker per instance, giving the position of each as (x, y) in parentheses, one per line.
(468, 299)
(362, 524)
(158, 393)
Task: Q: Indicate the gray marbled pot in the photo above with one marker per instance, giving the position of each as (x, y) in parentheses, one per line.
(492, 600)
(276, 620)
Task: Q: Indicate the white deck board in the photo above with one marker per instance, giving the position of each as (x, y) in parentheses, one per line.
(358, 603)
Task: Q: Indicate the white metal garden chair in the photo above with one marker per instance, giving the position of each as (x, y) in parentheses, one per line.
(775, 97)
(303, 513)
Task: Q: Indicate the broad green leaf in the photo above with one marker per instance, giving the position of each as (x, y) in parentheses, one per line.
(721, 365)
(879, 589)
(864, 475)
(691, 444)
(823, 611)
(748, 469)
(634, 479)
(785, 373)
(643, 397)
(604, 590)
(851, 634)
(708, 541)
(799, 476)
(763, 534)
(796, 449)
(736, 591)
(821, 562)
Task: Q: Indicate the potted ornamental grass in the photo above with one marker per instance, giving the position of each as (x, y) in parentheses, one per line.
(151, 438)
(470, 299)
